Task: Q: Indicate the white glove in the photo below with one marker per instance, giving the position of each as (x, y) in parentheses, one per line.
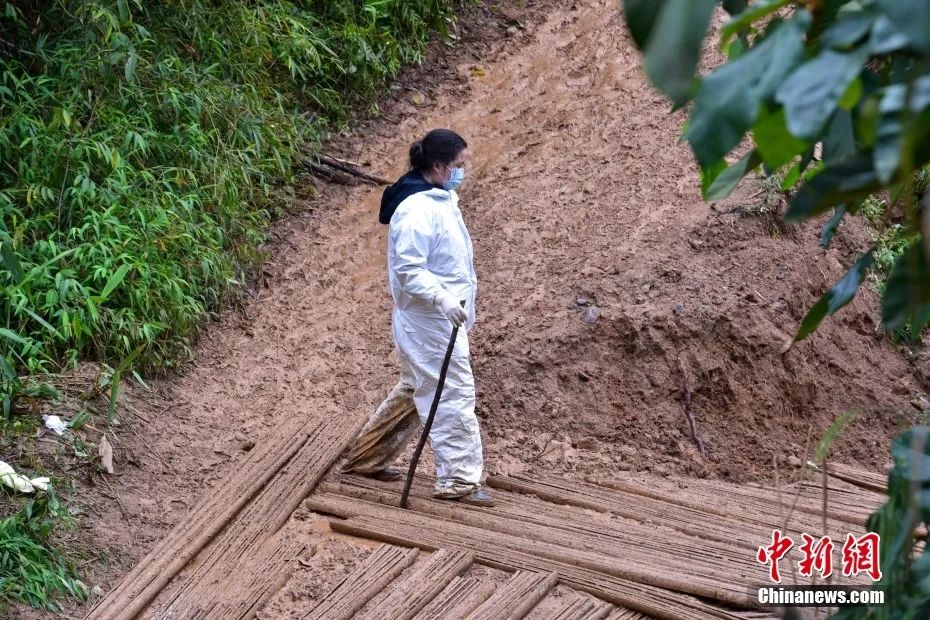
(452, 309)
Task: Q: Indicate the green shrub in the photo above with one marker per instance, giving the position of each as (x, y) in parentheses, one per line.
(892, 239)
(139, 146)
(140, 143)
(31, 571)
(899, 522)
(890, 245)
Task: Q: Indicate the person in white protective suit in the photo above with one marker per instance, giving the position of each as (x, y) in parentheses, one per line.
(430, 272)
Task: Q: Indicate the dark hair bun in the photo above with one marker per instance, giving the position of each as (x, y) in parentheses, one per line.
(417, 159)
(438, 146)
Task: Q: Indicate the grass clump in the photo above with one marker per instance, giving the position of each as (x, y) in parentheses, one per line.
(32, 571)
(891, 239)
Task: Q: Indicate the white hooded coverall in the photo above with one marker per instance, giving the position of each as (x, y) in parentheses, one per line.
(429, 253)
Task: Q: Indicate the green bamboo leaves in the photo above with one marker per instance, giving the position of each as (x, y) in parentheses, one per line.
(31, 571)
(141, 148)
(907, 299)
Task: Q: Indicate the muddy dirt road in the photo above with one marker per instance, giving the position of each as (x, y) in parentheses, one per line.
(600, 268)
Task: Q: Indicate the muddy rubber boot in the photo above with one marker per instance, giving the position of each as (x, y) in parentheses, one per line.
(386, 475)
(479, 497)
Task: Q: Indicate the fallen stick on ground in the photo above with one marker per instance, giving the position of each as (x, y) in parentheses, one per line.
(329, 174)
(284, 239)
(338, 165)
(543, 452)
(345, 162)
(692, 423)
(346, 168)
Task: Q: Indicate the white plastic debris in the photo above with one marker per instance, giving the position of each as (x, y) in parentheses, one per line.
(105, 450)
(40, 484)
(19, 482)
(53, 422)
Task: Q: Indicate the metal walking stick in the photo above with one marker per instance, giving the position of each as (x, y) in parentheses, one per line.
(429, 418)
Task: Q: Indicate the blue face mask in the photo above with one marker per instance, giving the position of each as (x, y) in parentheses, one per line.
(458, 175)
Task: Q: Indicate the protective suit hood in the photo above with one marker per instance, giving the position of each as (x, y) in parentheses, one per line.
(406, 186)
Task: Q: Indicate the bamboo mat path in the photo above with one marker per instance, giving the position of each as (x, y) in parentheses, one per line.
(583, 608)
(231, 559)
(461, 597)
(750, 500)
(661, 547)
(864, 479)
(410, 595)
(517, 597)
(652, 601)
(643, 546)
(218, 508)
(362, 584)
(735, 523)
(389, 585)
(627, 550)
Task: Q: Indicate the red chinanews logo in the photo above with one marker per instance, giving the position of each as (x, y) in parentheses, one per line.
(859, 555)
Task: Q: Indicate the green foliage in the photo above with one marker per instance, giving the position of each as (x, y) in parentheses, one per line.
(905, 579)
(891, 242)
(730, 101)
(841, 294)
(140, 143)
(889, 247)
(906, 302)
(31, 571)
(677, 28)
(873, 209)
(853, 75)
